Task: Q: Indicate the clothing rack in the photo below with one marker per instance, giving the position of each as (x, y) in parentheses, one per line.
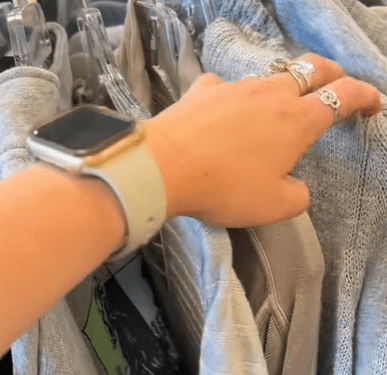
(310, 290)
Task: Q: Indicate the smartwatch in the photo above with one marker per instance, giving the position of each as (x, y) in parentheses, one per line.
(95, 141)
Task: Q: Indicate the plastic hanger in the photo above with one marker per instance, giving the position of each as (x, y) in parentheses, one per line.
(29, 36)
(191, 12)
(154, 49)
(208, 10)
(158, 33)
(5, 45)
(96, 45)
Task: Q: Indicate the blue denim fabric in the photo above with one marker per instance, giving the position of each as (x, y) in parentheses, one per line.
(210, 317)
(327, 28)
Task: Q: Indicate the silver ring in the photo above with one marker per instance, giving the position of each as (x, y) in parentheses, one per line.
(299, 79)
(301, 71)
(279, 65)
(252, 75)
(329, 97)
(305, 70)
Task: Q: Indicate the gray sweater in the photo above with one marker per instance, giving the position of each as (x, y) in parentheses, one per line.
(346, 169)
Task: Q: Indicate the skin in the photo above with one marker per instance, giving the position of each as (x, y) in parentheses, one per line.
(224, 152)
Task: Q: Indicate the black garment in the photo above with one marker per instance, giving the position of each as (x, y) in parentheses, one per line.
(50, 9)
(370, 3)
(147, 350)
(6, 365)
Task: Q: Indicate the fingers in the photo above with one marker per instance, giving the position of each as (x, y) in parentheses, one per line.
(206, 80)
(291, 198)
(325, 72)
(295, 198)
(354, 96)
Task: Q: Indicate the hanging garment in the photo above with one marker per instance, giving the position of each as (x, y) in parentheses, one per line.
(82, 334)
(22, 90)
(14, 156)
(31, 96)
(55, 344)
(381, 11)
(281, 268)
(208, 313)
(370, 21)
(138, 323)
(345, 173)
(131, 60)
(135, 59)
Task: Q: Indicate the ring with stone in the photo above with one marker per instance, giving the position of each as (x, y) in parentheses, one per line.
(304, 70)
(301, 71)
(330, 98)
(279, 65)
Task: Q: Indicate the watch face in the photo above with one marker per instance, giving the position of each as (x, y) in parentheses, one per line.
(84, 130)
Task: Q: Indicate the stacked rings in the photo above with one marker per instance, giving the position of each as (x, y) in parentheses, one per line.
(302, 72)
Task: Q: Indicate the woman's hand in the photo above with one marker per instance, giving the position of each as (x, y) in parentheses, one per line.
(225, 149)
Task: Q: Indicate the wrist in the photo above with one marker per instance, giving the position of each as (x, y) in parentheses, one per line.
(170, 162)
(95, 142)
(99, 204)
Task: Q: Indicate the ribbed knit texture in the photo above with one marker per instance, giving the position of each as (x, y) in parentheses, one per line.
(346, 173)
(232, 53)
(251, 13)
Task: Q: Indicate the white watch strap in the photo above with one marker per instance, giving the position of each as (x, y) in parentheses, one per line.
(136, 180)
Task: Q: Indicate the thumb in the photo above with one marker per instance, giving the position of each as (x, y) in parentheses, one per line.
(204, 81)
(294, 197)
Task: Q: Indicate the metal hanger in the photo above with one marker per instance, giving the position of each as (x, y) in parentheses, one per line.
(29, 36)
(96, 45)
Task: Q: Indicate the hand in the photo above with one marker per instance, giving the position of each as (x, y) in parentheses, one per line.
(225, 149)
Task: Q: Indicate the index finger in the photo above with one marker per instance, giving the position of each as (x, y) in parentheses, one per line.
(354, 95)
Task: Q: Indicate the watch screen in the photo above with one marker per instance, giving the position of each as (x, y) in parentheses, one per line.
(84, 130)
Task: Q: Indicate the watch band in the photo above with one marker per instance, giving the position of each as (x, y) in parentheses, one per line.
(136, 180)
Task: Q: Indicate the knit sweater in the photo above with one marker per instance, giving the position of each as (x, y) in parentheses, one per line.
(345, 171)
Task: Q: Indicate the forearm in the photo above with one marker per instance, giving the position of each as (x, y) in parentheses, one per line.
(54, 230)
